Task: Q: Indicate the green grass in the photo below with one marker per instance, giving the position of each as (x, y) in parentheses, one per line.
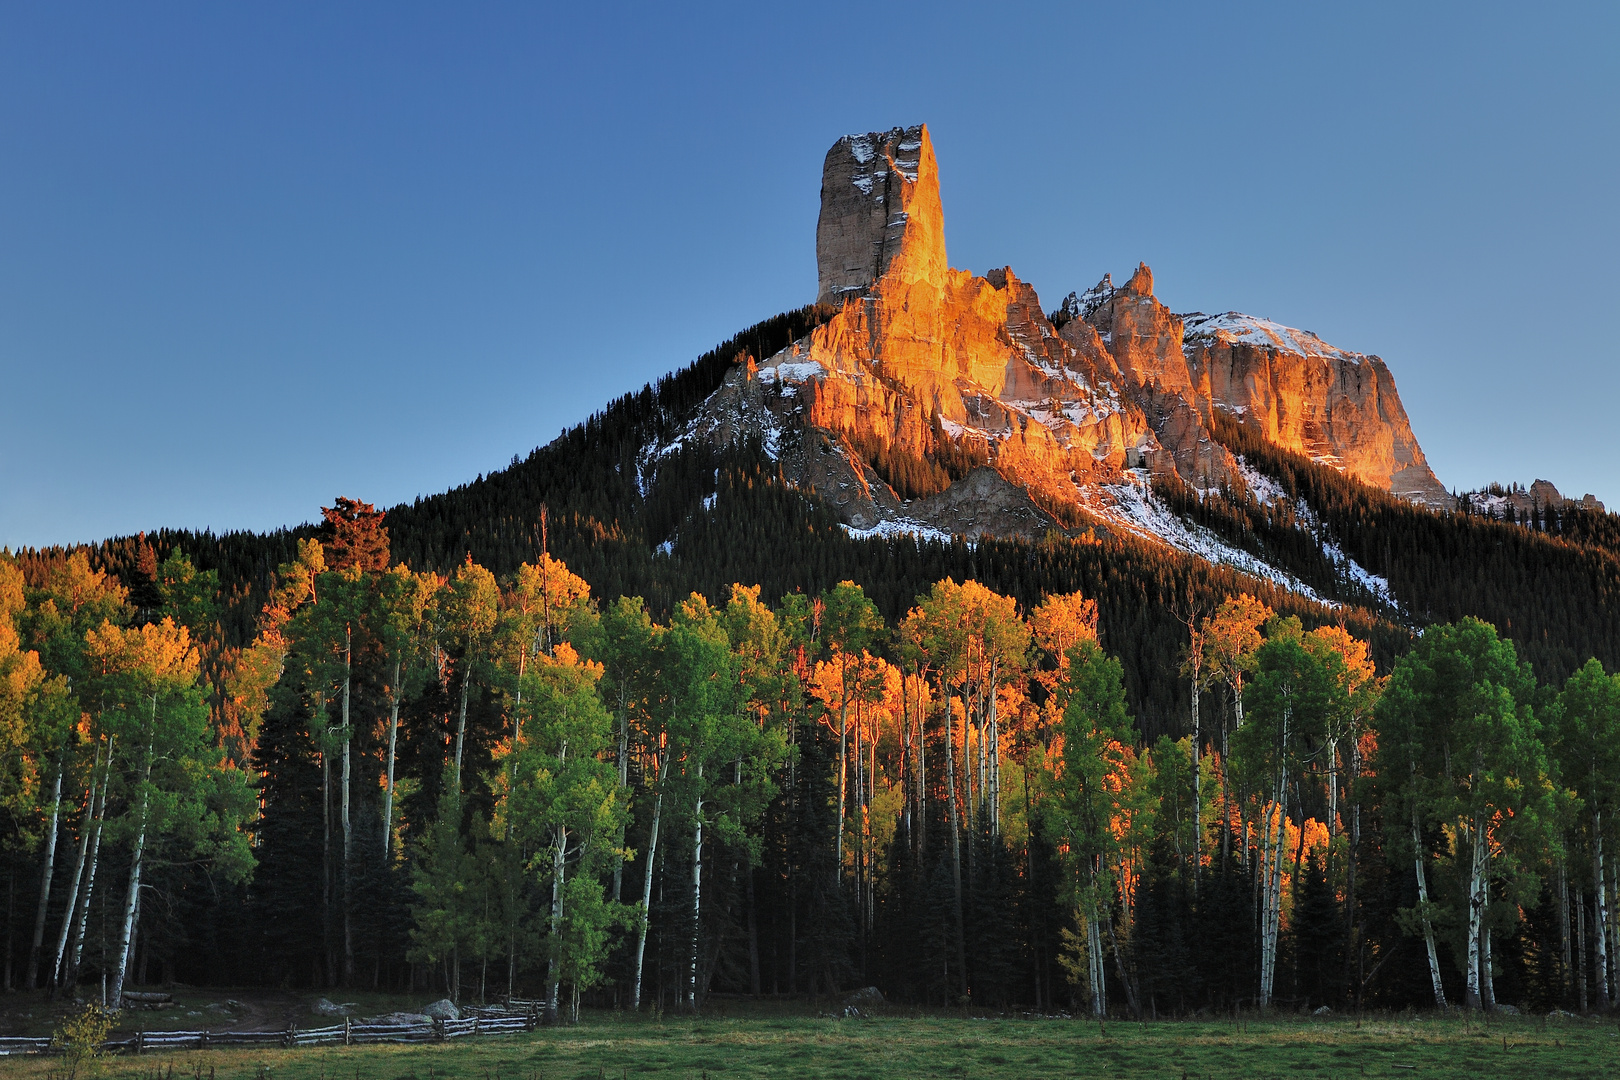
(606, 1047)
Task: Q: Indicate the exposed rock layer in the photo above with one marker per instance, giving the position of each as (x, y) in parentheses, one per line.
(1338, 407)
(1112, 388)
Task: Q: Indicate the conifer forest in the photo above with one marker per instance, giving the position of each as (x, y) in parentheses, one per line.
(608, 734)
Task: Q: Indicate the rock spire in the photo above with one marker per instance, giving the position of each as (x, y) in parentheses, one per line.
(880, 214)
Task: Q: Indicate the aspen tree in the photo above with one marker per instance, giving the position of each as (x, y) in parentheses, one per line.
(1293, 697)
(1094, 769)
(1585, 738)
(180, 793)
(403, 600)
(471, 605)
(626, 643)
(565, 803)
(1460, 749)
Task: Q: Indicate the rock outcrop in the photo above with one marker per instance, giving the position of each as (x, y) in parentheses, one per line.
(1497, 500)
(880, 213)
(1334, 406)
(1068, 411)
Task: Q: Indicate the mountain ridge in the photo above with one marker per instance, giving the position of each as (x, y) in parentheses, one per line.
(1070, 419)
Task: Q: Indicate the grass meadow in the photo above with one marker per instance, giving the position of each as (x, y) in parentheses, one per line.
(894, 1047)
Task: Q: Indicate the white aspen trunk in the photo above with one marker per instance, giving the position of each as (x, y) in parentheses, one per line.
(994, 750)
(1268, 866)
(1274, 881)
(907, 767)
(1333, 788)
(559, 866)
(843, 761)
(78, 870)
(871, 794)
(1094, 963)
(1226, 795)
(517, 737)
(697, 891)
(115, 999)
(859, 869)
(956, 840)
(969, 808)
(1600, 879)
(1198, 788)
(1476, 914)
(1271, 888)
(1487, 978)
(393, 740)
(1279, 852)
(1428, 927)
(1423, 902)
(1614, 932)
(1355, 846)
(72, 974)
(624, 785)
(31, 980)
(646, 886)
(1094, 950)
(972, 763)
(461, 722)
(922, 773)
(1261, 885)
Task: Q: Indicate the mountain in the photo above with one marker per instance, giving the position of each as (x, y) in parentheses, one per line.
(942, 402)
(920, 422)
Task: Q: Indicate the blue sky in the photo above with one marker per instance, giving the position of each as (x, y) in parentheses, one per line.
(253, 257)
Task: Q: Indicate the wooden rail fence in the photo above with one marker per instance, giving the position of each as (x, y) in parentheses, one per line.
(479, 1022)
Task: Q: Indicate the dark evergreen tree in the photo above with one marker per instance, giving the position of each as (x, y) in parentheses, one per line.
(288, 884)
(1317, 938)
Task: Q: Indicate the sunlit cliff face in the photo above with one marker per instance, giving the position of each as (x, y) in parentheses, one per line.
(1110, 389)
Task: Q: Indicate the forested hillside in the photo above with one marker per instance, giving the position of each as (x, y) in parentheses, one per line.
(612, 723)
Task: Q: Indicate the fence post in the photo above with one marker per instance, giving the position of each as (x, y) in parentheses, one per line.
(475, 1024)
(438, 1029)
(202, 1043)
(140, 1040)
(347, 1037)
(292, 1034)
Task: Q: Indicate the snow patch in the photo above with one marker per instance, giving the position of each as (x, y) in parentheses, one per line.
(1261, 486)
(1268, 492)
(1234, 327)
(888, 530)
(1354, 571)
(1135, 507)
(800, 372)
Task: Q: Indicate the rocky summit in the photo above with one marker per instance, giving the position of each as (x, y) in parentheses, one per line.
(941, 400)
